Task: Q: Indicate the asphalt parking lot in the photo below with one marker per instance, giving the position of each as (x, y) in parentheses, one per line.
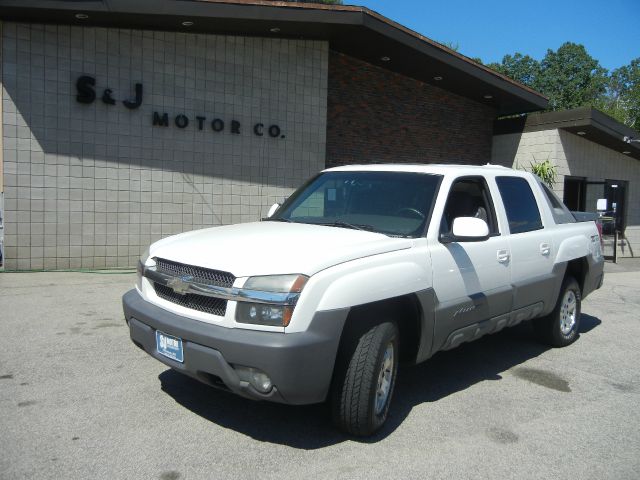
(79, 400)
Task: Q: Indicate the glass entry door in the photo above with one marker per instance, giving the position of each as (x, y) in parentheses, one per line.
(615, 192)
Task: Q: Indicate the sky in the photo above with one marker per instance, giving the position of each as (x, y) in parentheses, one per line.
(490, 29)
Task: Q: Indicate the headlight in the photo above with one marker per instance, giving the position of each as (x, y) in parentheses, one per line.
(277, 308)
(143, 259)
(277, 283)
(140, 268)
(261, 314)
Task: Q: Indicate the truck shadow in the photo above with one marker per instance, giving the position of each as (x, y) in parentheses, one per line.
(309, 427)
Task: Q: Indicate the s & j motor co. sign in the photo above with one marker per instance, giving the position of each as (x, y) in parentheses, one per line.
(86, 93)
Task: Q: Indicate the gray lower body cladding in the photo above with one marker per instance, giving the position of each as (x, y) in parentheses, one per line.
(595, 276)
(299, 364)
(519, 302)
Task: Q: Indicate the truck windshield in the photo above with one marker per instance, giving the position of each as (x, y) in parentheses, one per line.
(392, 203)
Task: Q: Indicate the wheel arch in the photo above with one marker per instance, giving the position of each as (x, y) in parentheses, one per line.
(578, 268)
(573, 253)
(406, 311)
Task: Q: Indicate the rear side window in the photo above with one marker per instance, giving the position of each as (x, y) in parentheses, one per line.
(520, 204)
(560, 212)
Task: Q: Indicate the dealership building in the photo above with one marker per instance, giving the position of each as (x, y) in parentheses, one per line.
(127, 121)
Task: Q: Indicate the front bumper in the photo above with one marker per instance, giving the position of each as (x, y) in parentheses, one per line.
(300, 365)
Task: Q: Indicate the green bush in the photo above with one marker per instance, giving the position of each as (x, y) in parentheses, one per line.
(546, 171)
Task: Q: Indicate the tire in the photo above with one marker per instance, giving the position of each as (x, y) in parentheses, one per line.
(362, 394)
(560, 327)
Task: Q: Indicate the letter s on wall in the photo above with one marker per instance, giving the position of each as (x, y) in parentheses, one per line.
(86, 93)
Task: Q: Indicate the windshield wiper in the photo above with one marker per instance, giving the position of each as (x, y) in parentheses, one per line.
(353, 226)
(336, 223)
(271, 219)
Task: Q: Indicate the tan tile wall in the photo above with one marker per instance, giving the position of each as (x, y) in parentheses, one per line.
(91, 186)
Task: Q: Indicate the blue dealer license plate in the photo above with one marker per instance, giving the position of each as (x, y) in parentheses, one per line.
(170, 347)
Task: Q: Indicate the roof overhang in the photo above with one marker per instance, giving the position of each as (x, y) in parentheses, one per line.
(587, 122)
(355, 31)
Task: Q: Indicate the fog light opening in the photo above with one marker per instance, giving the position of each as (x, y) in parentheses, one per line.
(254, 377)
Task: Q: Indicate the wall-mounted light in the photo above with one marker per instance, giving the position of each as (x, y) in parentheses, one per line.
(81, 16)
(488, 96)
(385, 59)
(581, 133)
(626, 152)
(274, 30)
(187, 23)
(437, 79)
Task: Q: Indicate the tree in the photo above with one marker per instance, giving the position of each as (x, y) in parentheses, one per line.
(622, 99)
(570, 77)
(522, 68)
(455, 46)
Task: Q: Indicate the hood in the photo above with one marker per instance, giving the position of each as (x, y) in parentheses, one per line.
(273, 248)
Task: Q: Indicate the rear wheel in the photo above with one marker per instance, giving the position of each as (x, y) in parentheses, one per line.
(560, 327)
(361, 397)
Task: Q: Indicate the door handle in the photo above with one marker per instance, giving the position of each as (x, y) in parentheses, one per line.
(545, 249)
(503, 256)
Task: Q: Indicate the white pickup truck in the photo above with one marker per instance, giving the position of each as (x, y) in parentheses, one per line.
(360, 269)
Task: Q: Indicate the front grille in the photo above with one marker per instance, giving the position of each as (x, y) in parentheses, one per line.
(199, 274)
(214, 306)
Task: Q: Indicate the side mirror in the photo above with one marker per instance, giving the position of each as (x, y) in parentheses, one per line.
(273, 209)
(467, 229)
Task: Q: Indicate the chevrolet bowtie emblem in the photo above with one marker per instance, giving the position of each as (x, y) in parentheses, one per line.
(180, 285)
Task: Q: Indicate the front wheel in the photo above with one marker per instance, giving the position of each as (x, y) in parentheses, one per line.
(361, 398)
(560, 327)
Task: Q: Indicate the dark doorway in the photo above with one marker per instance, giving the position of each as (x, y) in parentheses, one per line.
(575, 190)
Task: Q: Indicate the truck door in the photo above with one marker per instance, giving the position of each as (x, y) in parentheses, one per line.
(531, 246)
(471, 279)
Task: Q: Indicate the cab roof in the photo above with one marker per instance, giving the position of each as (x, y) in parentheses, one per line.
(434, 169)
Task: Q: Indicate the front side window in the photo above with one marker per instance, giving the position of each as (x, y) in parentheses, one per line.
(392, 203)
(520, 204)
(469, 197)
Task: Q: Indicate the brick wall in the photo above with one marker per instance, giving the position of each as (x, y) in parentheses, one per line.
(378, 116)
(92, 185)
